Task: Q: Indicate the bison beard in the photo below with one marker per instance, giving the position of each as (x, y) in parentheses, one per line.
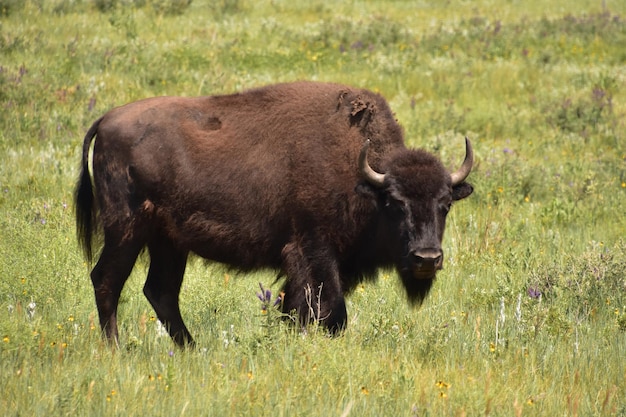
(416, 289)
(310, 179)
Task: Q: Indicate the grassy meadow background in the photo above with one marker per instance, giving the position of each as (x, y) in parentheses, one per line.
(529, 316)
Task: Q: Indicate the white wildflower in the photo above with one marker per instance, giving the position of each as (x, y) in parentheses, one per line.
(161, 331)
(30, 309)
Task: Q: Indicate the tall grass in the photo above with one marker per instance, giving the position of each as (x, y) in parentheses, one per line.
(529, 316)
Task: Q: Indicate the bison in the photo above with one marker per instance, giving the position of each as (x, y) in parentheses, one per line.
(310, 179)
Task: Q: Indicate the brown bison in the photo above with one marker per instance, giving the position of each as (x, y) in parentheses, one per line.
(310, 179)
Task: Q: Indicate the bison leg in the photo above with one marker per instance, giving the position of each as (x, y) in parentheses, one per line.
(313, 287)
(165, 277)
(109, 276)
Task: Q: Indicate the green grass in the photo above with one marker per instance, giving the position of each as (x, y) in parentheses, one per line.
(539, 88)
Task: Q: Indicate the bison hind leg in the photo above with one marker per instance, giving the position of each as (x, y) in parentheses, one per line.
(162, 287)
(114, 265)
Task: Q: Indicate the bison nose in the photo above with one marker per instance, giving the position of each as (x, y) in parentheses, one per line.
(428, 258)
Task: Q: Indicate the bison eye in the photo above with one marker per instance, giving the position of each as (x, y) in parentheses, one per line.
(395, 207)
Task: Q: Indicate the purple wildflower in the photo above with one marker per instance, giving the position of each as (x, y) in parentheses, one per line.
(279, 299)
(534, 292)
(598, 94)
(265, 296)
(357, 45)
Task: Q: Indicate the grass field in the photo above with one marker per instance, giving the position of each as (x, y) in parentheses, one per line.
(527, 319)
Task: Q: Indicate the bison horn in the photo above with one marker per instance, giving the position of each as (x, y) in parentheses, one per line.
(375, 178)
(460, 174)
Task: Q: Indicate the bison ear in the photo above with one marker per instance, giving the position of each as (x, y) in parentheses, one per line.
(366, 190)
(461, 191)
(375, 195)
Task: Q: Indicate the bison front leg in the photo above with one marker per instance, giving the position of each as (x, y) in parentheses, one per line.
(313, 288)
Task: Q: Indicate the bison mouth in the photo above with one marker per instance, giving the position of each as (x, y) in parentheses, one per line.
(420, 274)
(426, 263)
(419, 271)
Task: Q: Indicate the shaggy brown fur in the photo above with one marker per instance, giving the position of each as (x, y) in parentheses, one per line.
(268, 178)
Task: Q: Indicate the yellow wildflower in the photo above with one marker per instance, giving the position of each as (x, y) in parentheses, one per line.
(442, 385)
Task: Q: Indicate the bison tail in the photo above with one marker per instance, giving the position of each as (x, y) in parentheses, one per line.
(86, 213)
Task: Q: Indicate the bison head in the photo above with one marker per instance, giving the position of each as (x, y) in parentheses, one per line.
(414, 196)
